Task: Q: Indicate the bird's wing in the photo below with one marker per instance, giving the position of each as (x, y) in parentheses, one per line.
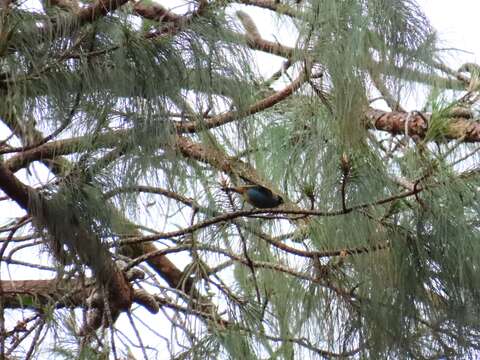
(264, 190)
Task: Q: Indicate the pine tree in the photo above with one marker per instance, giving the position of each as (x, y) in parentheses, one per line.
(131, 131)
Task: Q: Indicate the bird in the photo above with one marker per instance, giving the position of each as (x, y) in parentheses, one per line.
(257, 196)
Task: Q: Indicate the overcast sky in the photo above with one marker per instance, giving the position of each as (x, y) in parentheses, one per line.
(457, 24)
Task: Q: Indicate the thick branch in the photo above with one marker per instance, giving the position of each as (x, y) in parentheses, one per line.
(98, 9)
(15, 189)
(415, 124)
(172, 22)
(272, 5)
(36, 294)
(230, 116)
(157, 12)
(55, 149)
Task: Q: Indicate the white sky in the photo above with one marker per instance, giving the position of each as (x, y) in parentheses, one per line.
(457, 24)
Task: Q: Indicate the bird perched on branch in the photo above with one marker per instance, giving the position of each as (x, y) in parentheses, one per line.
(257, 195)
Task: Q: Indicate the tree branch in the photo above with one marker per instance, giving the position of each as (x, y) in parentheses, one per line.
(98, 9)
(416, 124)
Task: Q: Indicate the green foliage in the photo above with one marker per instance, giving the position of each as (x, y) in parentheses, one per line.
(354, 36)
(66, 345)
(357, 264)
